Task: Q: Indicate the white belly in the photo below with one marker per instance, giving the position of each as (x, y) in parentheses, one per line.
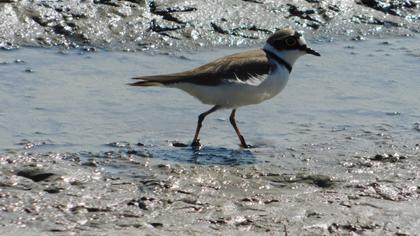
(237, 93)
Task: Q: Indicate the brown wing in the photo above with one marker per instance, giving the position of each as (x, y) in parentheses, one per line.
(236, 66)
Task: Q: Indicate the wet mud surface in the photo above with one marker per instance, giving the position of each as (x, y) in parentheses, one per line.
(122, 191)
(140, 24)
(337, 153)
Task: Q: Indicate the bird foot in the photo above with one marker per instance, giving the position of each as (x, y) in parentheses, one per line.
(196, 143)
(243, 143)
(246, 146)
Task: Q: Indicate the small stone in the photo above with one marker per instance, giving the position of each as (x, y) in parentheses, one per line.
(35, 174)
(164, 166)
(90, 163)
(19, 61)
(179, 144)
(321, 181)
(156, 225)
(379, 157)
(7, 45)
(121, 144)
(90, 49)
(358, 38)
(417, 126)
(140, 153)
(394, 113)
(53, 190)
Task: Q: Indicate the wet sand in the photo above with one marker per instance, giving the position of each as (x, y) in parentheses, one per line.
(336, 153)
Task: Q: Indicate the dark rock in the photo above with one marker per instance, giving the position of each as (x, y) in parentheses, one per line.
(322, 181)
(271, 201)
(53, 190)
(63, 29)
(374, 21)
(144, 203)
(391, 7)
(156, 27)
(417, 126)
(97, 209)
(35, 174)
(90, 49)
(156, 224)
(164, 166)
(179, 144)
(139, 153)
(358, 38)
(139, 2)
(90, 163)
(302, 13)
(113, 3)
(8, 46)
(387, 157)
(379, 157)
(218, 29)
(254, 1)
(334, 8)
(166, 12)
(237, 31)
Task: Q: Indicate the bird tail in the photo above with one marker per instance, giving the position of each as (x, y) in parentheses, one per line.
(155, 80)
(145, 84)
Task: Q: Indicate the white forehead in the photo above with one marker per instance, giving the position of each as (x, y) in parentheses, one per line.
(302, 41)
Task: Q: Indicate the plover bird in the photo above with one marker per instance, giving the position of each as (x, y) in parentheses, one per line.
(240, 79)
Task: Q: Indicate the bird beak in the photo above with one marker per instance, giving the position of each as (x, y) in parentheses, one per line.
(313, 52)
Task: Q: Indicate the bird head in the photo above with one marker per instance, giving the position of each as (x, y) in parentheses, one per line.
(289, 45)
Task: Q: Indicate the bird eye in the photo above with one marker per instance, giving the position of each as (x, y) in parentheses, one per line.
(291, 41)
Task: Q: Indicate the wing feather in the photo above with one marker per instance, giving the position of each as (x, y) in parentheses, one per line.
(237, 66)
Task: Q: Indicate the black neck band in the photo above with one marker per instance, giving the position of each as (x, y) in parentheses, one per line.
(279, 60)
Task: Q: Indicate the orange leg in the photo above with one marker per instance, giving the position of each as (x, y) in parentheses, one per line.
(233, 122)
(196, 140)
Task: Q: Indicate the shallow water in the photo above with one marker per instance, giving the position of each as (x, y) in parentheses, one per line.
(337, 152)
(357, 95)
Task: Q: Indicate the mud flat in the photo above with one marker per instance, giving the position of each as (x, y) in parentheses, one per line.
(81, 153)
(337, 153)
(141, 24)
(63, 194)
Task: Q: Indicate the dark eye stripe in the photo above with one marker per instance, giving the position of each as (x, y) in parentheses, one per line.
(290, 41)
